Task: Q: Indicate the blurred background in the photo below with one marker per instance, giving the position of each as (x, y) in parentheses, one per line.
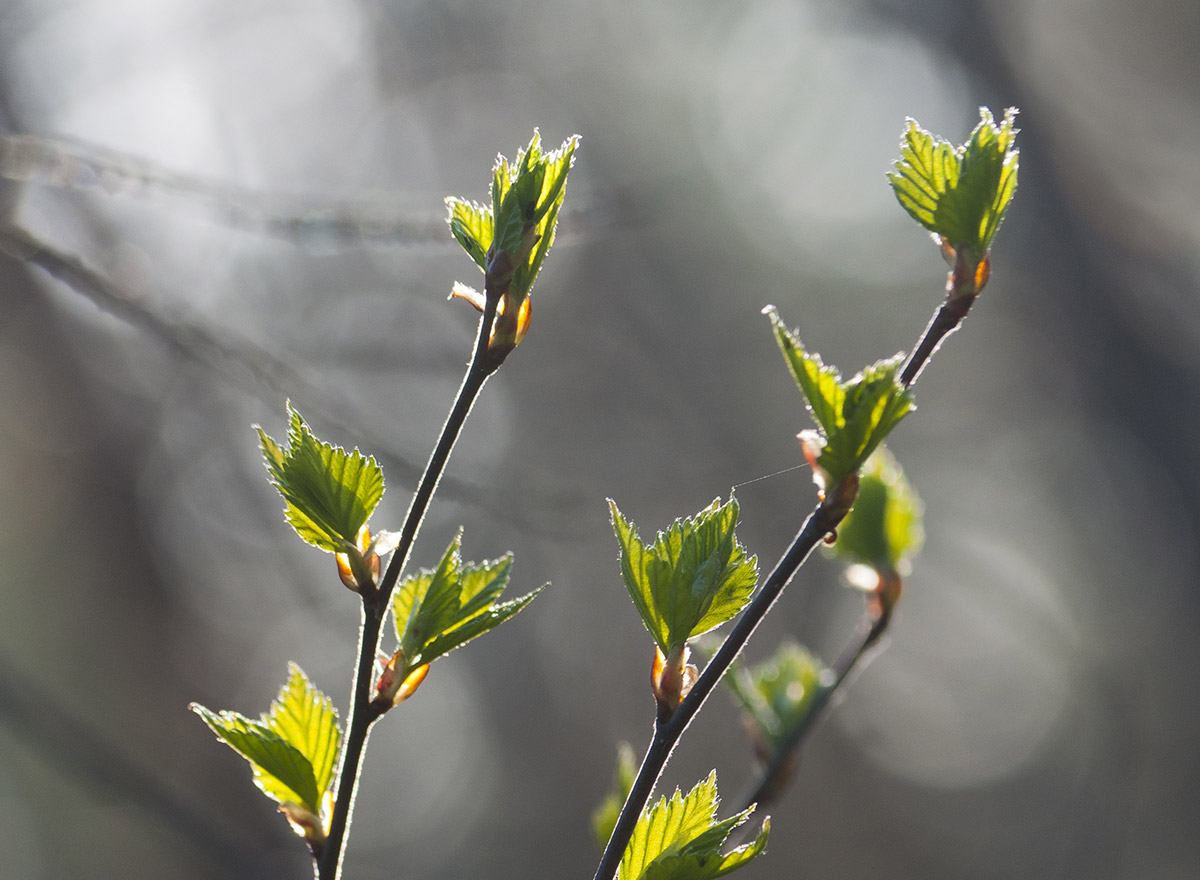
(261, 184)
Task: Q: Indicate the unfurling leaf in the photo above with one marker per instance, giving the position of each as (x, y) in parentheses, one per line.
(883, 529)
(854, 416)
(510, 238)
(438, 610)
(292, 748)
(693, 578)
(959, 193)
(777, 694)
(680, 839)
(330, 493)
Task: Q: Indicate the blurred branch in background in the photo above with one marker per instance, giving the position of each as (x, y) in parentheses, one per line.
(237, 361)
(78, 751)
(317, 223)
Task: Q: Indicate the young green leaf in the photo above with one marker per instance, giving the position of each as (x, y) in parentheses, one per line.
(680, 839)
(855, 415)
(509, 239)
(292, 749)
(883, 529)
(330, 493)
(777, 694)
(960, 193)
(604, 817)
(692, 579)
(471, 225)
(438, 610)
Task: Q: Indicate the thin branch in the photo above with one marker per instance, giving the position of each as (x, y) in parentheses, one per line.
(962, 287)
(329, 863)
(237, 361)
(963, 284)
(321, 222)
(668, 733)
(775, 774)
(88, 759)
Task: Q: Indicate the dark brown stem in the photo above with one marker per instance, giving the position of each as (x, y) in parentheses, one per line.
(362, 716)
(963, 284)
(666, 734)
(775, 774)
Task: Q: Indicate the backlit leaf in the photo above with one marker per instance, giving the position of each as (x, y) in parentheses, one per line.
(330, 493)
(693, 578)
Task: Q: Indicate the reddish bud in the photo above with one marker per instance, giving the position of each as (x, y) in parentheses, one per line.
(359, 568)
(671, 678)
(397, 682)
(306, 824)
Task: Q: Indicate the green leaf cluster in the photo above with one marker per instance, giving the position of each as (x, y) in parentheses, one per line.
(855, 415)
(778, 693)
(883, 529)
(438, 610)
(292, 748)
(515, 232)
(960, 193)
(330, 493)
(604, 817)
(680, 839)
(693, 578)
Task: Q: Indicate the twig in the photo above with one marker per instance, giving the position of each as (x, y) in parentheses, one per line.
(321, 222)
(239, 362)
(962, 286)
(82, 753)
(667, 734)
(774, 775)
(375, 605)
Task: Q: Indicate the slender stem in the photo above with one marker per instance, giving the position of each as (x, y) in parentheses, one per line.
(668, 733)
(963, 284)
(774, 774)
(960, 294)
(362, 716)
(944, 322)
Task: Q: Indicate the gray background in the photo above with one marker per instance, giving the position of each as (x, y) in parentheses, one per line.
(1035, 714)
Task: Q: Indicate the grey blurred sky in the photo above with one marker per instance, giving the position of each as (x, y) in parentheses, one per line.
(1035, 713)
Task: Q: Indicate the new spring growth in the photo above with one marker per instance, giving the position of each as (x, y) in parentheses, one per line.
(853, 416)
(960, 193)
(693, 578)
(510, 238)
(397, 682)
(292, 749)
(329, 495)
(880, 536)
(671, 678)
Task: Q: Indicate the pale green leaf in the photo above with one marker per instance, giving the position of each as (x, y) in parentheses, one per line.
(778, 693)
(520, 224)
(471, 225)
(330, 493)
(821, 385)
(438, 610)
(545, 213)
(960, 193)
(306, 719)
(874, 403)
(693, 578)
(883, 529)
(680, 839)
(280, 770)
(293, 748)
(855, 415)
